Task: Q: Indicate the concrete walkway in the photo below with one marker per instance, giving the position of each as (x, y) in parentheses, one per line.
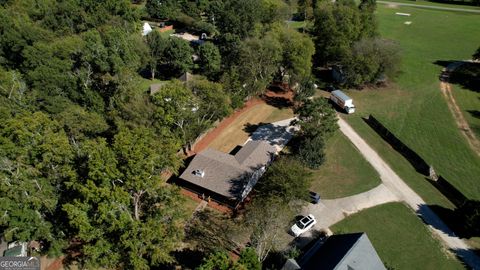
(430, 7)
(403, 192)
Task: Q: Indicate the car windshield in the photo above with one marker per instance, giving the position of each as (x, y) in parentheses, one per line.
(302, 223)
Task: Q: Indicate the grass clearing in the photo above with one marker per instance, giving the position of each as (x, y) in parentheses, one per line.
(434, 4)
(145, 83)
(401, 239)
(235, 134)
(189, 206)
(345, 171)
(297, 24)
(414, 108)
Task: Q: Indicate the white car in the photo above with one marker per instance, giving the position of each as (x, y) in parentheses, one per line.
(303, 225)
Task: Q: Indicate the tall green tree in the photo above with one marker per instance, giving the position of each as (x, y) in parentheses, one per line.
(369, 61)
(220, 260)
(369, 22)
(36, 162)
(178, 110)
(123, 212)
(317, 118)
(249, 259)
(337, 26)
(178, 55)
(156, 45)
(238, 17)
(286, 179)
(257, 62)
(297, 51)
(312, 152)
(266, 225)
(162, 9)
(209, 62)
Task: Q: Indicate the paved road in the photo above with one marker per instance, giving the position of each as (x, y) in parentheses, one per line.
(430, 7)
(398, 187)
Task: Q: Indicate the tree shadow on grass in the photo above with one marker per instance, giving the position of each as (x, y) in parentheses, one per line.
(278, 102)
(465, 74)
(452, 219)
(474, 113)
(451, 223)
(444, 63)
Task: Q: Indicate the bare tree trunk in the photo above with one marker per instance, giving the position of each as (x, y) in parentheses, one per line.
(136, 203)
(152, 71)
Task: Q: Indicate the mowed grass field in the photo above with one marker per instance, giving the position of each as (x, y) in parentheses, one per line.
(435, 4)
(400, 238)
(345, 171)
(413, 108)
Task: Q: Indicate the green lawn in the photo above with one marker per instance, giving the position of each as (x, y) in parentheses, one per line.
(400, 238)
(414, 108)
(144, 84)
(296, 24)
(429, 3)
(189, 206)
(345, 171)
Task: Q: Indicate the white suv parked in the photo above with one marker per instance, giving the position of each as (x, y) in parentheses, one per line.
(303, 225)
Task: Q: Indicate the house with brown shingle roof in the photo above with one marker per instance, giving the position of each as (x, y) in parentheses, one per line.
(225, 177)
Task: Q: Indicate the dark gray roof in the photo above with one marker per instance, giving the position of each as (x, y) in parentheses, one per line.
(225, 174)
(186, 77)
(345, 251)
(254, 153)
(291, 264)
(154, 88)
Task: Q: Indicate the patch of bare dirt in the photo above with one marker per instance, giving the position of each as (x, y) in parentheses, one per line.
(459, 119)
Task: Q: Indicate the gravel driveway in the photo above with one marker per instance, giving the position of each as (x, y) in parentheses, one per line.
(398, 187)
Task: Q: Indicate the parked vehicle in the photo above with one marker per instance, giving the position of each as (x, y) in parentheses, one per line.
(314, 197)
(303, 225)
(342, 100)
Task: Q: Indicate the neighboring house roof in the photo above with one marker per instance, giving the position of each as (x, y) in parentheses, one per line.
(226, 174)
(146, 29)
(154, 88)
(19, 250)
(186, 77)
(345, 251)
(291, 264)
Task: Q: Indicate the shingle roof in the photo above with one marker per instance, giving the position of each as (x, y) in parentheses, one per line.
(226, 174)
(254, 153)
(345, 251)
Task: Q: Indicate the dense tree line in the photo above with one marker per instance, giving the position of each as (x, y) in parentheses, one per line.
(346, 38)
(84, 151)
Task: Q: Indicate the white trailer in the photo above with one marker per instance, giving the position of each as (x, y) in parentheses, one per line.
(343, 101)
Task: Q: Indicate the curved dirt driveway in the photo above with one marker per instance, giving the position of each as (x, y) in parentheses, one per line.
(455, 109)
(398, 187)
